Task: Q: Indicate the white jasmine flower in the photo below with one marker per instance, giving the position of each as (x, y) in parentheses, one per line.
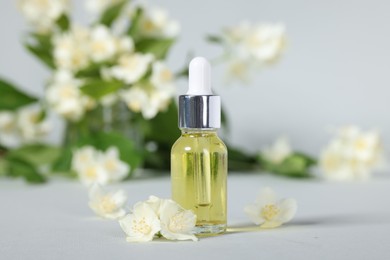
(23, 126)
(72, 49)
(83, 156)
(7, 121)
(266, 42)
(239, 69)
(158, 101)
(270, 212)
(94, 166)
(352, 154)
(248, 47)
(135, 98)
(176, 222)
(155, 204)
(161, 75)
(65, 97)
(30, 124)
(124, 44)
(116, 169)
(155, 22)
(98, 6)
(103, 45)
(9, 135)
(131, 67)
(279, 151)
(86, 162)
(93, 172)
(43, 14)
(141, 225)
(107, 204)
(147, 99)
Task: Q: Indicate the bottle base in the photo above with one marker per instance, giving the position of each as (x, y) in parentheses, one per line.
(210, 230)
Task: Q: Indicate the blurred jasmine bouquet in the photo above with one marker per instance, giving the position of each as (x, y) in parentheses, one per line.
(109, 82)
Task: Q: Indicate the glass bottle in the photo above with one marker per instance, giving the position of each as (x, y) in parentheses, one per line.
(199, 157)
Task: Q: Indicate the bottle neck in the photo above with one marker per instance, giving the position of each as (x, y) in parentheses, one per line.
(189, 131)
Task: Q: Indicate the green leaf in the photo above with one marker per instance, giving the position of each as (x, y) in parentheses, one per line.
(20, 168)
(11, 98)
(214, 39)
(104, 140)
(239, 160)
(133, 30)
(99, 88)
(3, 167)
(295, 165)
(164, 127)
(64, 162)
(40, 45)
(158, 47)
(92, 71)
(37, 154)
(63, 22)
(110, 14)
(164, 131)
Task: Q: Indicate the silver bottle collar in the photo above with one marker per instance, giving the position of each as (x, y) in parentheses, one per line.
(199, 111)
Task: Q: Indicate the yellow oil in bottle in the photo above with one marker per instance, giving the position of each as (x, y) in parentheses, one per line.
(199, 177)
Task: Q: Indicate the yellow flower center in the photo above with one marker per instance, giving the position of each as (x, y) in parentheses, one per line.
(90, 173)
(107, 204)
(166, 75)
(268, 212)
(176, 222)
(130, 63)
(111, 165)
(141, 226)
(149, 26)
(360, 144)
(99, 46)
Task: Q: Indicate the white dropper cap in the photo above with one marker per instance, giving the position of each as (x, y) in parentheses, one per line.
(199, 77)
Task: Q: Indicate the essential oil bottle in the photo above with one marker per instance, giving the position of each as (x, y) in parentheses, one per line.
(199, 157)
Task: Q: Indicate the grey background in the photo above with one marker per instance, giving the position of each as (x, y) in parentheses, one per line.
(335, 70)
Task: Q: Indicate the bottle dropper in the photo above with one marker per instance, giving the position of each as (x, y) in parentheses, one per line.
(199, 107)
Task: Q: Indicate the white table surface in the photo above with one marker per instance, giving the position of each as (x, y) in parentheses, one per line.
(334, 221)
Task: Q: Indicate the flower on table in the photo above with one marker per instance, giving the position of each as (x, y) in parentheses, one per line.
(155, 215)
(268, 211)
(105, 204)
(155, 22)
(278, 151)
(43, 14)
(94, 166)
(352, 154)
(176, 222)
(141, 225)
